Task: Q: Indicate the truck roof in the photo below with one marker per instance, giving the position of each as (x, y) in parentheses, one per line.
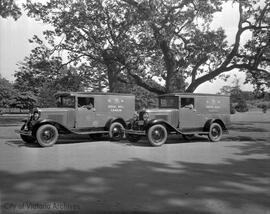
(193, 94)
(71, 93)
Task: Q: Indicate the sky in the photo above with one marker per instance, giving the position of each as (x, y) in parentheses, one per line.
(14, 45)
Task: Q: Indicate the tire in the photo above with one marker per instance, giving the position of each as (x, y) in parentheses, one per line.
(215, 132)
(26, 138)
(47, 135)
(133, 138)
(157, 135)
(116, 131)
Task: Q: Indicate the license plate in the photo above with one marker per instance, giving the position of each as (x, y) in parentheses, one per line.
(140, 123)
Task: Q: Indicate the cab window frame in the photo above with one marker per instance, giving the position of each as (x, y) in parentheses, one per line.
(185, 101)
(92, 101)
(175, 105)
(60, 102)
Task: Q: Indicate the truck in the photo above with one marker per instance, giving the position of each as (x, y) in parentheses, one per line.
(89, 113)
(187, 114)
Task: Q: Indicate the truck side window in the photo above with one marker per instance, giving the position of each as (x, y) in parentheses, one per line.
(187, 102)
(86, 102)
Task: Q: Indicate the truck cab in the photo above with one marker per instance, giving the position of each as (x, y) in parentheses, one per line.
(182, 113)
(80, 113)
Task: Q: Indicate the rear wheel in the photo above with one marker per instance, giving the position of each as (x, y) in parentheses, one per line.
(133, 138)
(215, 132)
(116, 131)
(157, 135)
(47, 135)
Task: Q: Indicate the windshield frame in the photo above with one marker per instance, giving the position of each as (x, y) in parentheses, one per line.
(61, 99)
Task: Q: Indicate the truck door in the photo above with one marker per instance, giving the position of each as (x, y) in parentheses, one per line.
(85, 114)
(189, 118)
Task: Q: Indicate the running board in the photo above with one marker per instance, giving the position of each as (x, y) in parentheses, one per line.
(90, 132)
(190, 133)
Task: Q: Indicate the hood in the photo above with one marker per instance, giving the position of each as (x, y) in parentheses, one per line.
(64, 116)
(160, 113)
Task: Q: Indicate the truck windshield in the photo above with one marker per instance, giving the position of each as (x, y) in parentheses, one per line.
(66, 101)
(169, 102)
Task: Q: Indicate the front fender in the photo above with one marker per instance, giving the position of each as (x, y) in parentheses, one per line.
(41, 122)
(168, 126)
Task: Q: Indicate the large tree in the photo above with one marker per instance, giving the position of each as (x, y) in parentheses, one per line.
(93, 35)
(179, 31)
(8, 8)
(136, 41)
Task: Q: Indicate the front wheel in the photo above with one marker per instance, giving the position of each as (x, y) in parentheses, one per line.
(215, 132)
(157, 135)
(116, 131)
(47, 135)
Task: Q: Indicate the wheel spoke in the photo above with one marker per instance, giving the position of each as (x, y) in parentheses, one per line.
(157, 134)
(47, 135)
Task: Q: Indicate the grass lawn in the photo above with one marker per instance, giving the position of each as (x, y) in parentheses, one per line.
(251, 116)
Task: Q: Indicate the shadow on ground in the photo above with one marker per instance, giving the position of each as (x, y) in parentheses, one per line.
(63, 139)
(247, 127)
(78, 139)
(139, 186)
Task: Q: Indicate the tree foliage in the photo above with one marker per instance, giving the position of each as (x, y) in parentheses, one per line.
(6, 91)
(9, 8)
(23, 100)
(237, 97)
(43, 75)
(144, 42)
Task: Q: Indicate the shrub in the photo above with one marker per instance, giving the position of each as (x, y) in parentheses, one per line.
(232, 109)
(241, 106)
(264, 106)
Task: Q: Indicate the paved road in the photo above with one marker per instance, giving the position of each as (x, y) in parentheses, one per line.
(80, 175)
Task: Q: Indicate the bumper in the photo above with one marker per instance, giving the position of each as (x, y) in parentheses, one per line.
(23, 132)
(135, 132)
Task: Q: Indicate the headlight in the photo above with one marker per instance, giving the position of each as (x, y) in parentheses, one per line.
(36, 115)
(135, 116)
(145, 116)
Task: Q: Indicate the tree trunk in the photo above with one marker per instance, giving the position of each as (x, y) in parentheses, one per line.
(112, 70)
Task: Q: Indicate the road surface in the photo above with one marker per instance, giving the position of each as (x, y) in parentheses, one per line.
(82, 176)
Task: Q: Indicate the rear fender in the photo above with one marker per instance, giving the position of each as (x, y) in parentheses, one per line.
(61, 128)
(209, 122)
